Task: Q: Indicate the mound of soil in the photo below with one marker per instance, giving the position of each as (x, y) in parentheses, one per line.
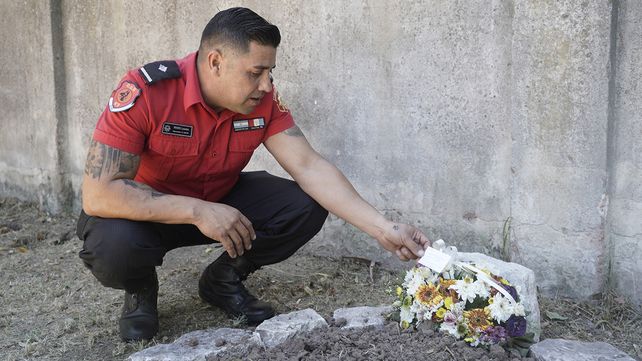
(389, 343)
(54, 309)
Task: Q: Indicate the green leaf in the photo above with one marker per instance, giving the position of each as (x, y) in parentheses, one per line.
(522, 344)
(555, 316)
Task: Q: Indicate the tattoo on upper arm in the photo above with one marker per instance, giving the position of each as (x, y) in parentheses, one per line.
(103, 160)
(295, 131)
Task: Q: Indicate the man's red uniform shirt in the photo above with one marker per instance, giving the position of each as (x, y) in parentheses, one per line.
(204, 162)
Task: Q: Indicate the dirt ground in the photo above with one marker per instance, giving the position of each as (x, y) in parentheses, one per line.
(53, 308)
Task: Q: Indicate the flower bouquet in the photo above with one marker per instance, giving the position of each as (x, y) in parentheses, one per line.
(469, 303)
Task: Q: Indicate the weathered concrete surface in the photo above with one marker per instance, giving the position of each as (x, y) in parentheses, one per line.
(200, 345)
(417, 124)
(565, 350)
(278, 329)
(625, 206)
(29, 167)
(452, 115)
(522, 278)
(560, 67)
(364, 316)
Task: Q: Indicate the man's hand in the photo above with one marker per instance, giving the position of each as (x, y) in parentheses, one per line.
(226, 225)
(406, 241)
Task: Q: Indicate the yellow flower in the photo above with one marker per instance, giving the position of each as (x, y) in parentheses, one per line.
(504, 282)
(440, 313)
(429, 295)
(405, 324)
(477, 319)
(448, 302)
(399, 291)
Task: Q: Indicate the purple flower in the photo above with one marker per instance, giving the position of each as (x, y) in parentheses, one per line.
(493, 335)
(516, 326)
(512, 291)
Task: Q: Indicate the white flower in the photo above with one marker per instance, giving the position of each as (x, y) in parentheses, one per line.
(482, 289)
(450, 318)
(501, 308)
(468, 290)
(406, 314)
(417, 277)
(453, 329)
(519, 310)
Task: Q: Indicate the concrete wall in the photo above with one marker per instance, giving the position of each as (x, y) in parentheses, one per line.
(29, 159)
(506, 127)
(625, 207)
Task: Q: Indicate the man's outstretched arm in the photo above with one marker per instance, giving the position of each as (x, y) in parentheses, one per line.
(109, 191)
(328, 186)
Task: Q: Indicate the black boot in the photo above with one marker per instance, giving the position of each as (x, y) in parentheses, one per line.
(139, 319)
(220, 285)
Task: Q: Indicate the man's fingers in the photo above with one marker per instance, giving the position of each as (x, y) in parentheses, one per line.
(414, 247)
(246, 222)
(407, 253)
(424, 241)
(246, 230)
(237, 241)
(401, 255)
(229, 247)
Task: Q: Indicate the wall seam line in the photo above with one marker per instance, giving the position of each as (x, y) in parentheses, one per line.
(65, 196)
(611, 141)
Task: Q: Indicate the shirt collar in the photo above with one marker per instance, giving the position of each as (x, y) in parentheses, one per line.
(192, 94)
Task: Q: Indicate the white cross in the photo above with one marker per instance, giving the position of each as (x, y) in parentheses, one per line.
(162, 68)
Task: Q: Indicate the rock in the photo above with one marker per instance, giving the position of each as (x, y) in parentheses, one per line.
(565, 350)
(278, 329)
(200, 345)
(359, 317)
(519, 276)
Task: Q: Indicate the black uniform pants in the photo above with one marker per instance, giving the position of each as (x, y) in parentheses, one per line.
(121, 253)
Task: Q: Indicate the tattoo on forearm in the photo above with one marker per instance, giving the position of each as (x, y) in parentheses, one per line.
(154, 193)
(295, 131)
(103, 160)
(395, 227)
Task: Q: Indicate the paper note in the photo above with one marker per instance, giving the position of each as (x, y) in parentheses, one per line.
(434, 259)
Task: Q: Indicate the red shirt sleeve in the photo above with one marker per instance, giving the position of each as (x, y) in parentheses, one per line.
(281, 118)
(126, 129)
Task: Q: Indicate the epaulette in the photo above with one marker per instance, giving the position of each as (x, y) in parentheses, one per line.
(159, 70)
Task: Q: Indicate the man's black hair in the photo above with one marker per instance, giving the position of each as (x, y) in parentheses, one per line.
(237, 27)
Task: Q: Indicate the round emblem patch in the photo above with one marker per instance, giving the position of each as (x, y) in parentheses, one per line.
(277, 98)
(124, 97)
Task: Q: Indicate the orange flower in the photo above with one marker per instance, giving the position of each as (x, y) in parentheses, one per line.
(477, 319)
(429, 295)
(443, 288)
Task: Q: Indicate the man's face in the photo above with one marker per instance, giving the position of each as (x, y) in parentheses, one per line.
(243, 79)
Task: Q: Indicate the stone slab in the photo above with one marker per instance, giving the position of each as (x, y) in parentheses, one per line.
(200, 345)
(282, 327)
(565, 350)
(521, 277)
(359, 317)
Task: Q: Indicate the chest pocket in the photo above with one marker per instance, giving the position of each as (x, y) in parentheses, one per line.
(241, 147)
(246, 141)
(172, 159)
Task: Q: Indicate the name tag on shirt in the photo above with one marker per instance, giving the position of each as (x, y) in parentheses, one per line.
(242, 125)
(179, 130)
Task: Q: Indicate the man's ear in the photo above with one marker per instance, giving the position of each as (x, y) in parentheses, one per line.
(214, 60)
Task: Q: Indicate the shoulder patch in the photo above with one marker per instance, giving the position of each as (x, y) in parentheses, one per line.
(124, 96)
(159, 70)
(279, 103)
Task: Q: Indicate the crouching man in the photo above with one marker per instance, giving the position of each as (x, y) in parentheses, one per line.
(164, 171)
